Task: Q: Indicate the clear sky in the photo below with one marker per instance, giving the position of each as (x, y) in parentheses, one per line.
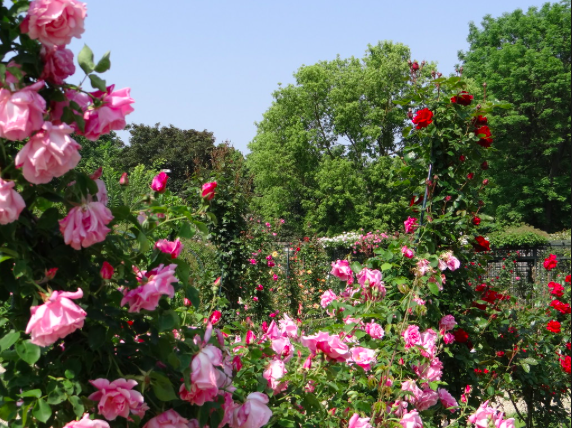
(214, 64)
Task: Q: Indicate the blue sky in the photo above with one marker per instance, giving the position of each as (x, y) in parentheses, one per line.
(214, 64)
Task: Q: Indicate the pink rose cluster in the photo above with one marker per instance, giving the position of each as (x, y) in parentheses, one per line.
(86, 422)
(331, 346)
(449, 261)
(373, 287)
(172, 248)
(425, 342)
(341, 269)
(154, 284)
(117, 398)
(486, 414)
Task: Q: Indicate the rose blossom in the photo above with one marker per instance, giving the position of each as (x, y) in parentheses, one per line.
(423, 119)
(56, 318)
(58, 64)
(49, 153)
(370, 280)
(288, 327)
(204, 385)
(430, 372)
(273, 373)
(374, 330)
(410, 225)
(463, 98)
(447, 323)
(411, 420)
(54, 22)
(341, 269)
(363, 357)
(110, 115)
(452, 262)
(85, 225)
(86, 422)
(461, 335)
(411, 336)
(566, 364)
(332, 346)
(106, 271)
(11, 202)
(156, 283)
(556, 289)
(447, 399)
(159, 183)
(554, 327)
(22, 112)
(486, 140)
(550, 262)
(168, 419)
(483, 415)
(407, 252)
(208, 190)
(327, 298)
(481, 244)
(173, 248)
(117, 398)
(252, 414)
(357, 422)
(429, 343)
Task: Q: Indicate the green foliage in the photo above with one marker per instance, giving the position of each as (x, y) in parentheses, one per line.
(524, 58)
(518, 237)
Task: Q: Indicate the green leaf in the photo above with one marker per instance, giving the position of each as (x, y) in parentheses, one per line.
(28, 352)
(35, 393)
(186, 232)
(98, 83)
(42, 411)
(21, 268)
(201, 227)
(168, 320)
(386, 266)
(530, 361)
(8, 340)
(433, 288)
(78, 407)
(104, 63)
(143, 242)
(85, 60)
(192, 294)
(96, 337)
(526, 367)
(162, 387)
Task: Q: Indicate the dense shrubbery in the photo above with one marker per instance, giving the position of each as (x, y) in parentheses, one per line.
(518, 237)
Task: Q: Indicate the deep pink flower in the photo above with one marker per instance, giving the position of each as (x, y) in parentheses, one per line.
(483, 415)
(374, 330)
(22, 112)
(172, 248)
(85, 225)
(254, 413)
(215, 317)
(11, 203)
(357, 422)
(447, 400)
(363, 357)
(155, 283)
(273, 373)
(86, 422)
(204, 385)
(372, 286)
(56, 318)
(410, 225)
(411, 336)
(208, 191)
(430, 371)
(341, 269)
(55, 22)
(411, 420)
(49, 153)
(447, 323)
(124, 180)
(159, 183)
(117, 398)
(168, 419)
(407, 252)
(110, 116)
(331, 346)
(58, 64)
(327, 298)
(106, 271)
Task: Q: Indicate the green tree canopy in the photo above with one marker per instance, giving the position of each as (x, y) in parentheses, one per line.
(317, 154)
(524, 57)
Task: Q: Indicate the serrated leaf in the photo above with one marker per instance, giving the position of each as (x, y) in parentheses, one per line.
(97, 82)
(85, 59)
(104, 63)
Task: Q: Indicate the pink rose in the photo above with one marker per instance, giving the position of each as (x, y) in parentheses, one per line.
(374, 330)
(58, 64)
(86, 422)
(331, 346)
(283, 348)
(49, 153)
(363, 357)
(273, 373)
(252, 414)
(341, 269)
(85, 225)
(156, 283)
(170, 247)
(451, 261)
(410, 225)
(168, 419)
(407, 252)
(411, 336)
(447, 323)
(411, 420)
(106, 271)
(483, 415)
(288, 327)
(11, 203)
(327, 298)
(54, 22)
(204, 385)
(357, 422)
(448, 338)
(423, 266)
(372, 286)
(429, 343)
(110, 116)
(430, 372)
(56, 318)
(159, 183)
(124, 179)
(22, 112)
(208, 191)
(447, 400)
(117, 398)
(427, 399)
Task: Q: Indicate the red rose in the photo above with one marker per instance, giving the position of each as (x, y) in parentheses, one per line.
(481, 287)
(550, 262)
(561, 306)
(500, 354)
(556, 289)
(485, 141)
(481, 244)
(470, 175)
(423, 119)
(485, 165)
(554, 327)
(461, 335)
(415, 66)
(462, 98)
(476, 220)
(566, 364)
(481, 306)
(480, 121)
(568, 345)
(567, 279)
(462, 158)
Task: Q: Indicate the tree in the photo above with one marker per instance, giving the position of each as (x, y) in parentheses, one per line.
(178, 150)
(524, 58)
(338, 118)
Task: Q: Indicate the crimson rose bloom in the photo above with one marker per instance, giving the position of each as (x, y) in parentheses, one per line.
(550, 262)
(556, 289)
(461, 335)
(480, 121)
(481, 244)
(561, 306)
(423, 119)
(566, 364)
(476, 220)
(485, 141)
(462, 98)
(567, 279)
(554, 327)
(485, 165)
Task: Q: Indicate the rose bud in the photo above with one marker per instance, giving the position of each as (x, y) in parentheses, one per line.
(106, 271)
(470, 175)
(485, 165)
(124, 180)
(159, 183)
(485, 181)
